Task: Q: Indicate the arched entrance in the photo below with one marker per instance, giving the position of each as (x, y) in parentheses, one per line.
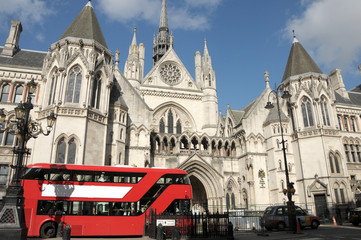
(207, 190)
(199, 201)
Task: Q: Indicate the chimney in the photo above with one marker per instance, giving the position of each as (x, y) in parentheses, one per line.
(12, 42)
(337, 83)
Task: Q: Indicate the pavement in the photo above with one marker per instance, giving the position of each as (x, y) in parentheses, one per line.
(238, 235)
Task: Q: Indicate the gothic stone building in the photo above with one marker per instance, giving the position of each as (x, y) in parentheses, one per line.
(168, 118)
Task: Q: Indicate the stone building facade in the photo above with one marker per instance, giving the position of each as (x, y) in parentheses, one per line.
(168, 118)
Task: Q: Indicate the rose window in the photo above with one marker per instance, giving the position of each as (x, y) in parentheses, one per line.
(170, 73)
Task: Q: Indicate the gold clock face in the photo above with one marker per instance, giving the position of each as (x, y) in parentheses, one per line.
(170, 73)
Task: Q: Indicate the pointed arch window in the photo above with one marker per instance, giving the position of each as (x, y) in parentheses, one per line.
(325, 116)
(337, 163)
(74, 85)
(66, 151)
(61, 148)
(307, 112)
(5, 93)
(347, 152)
(179, 127)
(71, 151)
(18, 94)
(331, 163)
(233, 201)
(161, 126)
(96, 92)
(170, 122)
(52, 92)
(228, 201)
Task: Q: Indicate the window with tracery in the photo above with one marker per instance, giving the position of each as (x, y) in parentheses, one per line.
(179, 127)
(97, 84)
(170, 121)
(161, 126)
(66, 151)
(74, 85)
(324, 110)
(334, 163)
(307, 112)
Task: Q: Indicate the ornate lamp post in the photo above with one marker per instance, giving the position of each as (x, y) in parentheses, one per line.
(12, 221)
(290, 189)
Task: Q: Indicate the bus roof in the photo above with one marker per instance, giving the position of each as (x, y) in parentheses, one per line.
(105, 168)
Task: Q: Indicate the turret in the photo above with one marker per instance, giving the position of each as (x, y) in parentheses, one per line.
(208, 85)
(198, 65)
(134, 66)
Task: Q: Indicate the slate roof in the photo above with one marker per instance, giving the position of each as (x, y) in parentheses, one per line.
(116, 96)
(23, 59)
(354, 95)
(273, 116)
(237, 115)
(85, 26)
(299, 62)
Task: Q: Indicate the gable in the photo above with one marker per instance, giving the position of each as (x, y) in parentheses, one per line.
(170, 72)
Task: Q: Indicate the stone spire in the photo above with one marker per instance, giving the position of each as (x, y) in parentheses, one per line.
(163, 41)
(134, 42)
(164, 17)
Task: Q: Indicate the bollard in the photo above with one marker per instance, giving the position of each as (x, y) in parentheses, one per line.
(66, 232)
(59, 232)
(230, 231)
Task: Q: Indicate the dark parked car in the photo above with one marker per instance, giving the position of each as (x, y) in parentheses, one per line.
(277, 217)
(355, 216)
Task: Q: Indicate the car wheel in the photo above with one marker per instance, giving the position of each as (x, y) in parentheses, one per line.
(48, 230)
(281, 226)
(315, 224)
(269, 228)
(355, 223)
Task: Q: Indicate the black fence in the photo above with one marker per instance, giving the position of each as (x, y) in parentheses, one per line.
(192, 226)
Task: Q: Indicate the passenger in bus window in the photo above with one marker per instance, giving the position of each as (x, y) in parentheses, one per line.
(59, 177)
(102, 178)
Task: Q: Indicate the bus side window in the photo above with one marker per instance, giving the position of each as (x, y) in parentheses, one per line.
(160, 181)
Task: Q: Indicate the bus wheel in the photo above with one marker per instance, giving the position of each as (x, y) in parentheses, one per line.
(48, 230)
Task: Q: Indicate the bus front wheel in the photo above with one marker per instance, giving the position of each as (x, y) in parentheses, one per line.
(48, 230)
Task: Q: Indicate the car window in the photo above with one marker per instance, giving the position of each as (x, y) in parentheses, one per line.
(268, 210)
(300, 211)
(279, 211)
(285, 210)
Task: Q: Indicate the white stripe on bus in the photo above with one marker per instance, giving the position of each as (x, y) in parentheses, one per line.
(81, 191)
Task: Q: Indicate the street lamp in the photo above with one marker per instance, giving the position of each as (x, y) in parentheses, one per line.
(290, 189)
(12, 221)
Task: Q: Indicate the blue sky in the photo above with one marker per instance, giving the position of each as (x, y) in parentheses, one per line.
(244, 37)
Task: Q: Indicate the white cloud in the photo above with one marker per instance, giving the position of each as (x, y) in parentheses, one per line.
(182, 14)
(330, 30)
(27, 11)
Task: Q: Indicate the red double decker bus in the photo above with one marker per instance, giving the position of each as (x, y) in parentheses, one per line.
(100, 200)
